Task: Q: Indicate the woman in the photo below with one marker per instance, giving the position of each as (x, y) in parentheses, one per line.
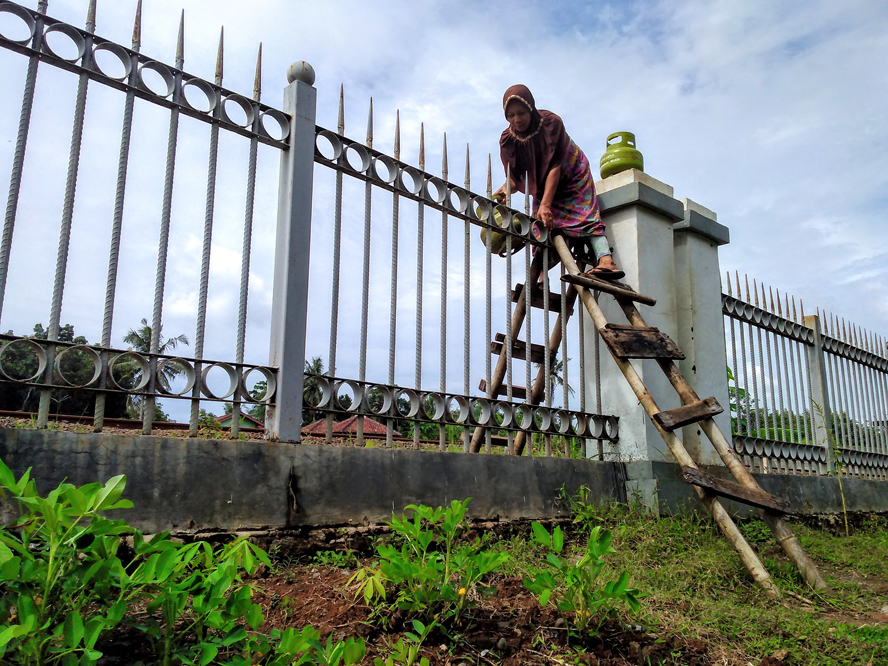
(536, 148)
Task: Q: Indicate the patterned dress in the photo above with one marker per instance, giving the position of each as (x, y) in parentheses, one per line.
(575, 206)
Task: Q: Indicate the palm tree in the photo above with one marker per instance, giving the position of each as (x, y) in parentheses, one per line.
(139, 340)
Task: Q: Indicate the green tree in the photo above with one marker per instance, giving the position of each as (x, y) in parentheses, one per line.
(311, 390)
(76, 366)
(139, 340)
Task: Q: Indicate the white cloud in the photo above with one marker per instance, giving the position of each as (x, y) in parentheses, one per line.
(771, 114)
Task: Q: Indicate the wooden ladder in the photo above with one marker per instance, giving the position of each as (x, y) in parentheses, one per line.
(638, 340)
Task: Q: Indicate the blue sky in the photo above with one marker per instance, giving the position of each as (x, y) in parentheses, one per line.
(770, 113)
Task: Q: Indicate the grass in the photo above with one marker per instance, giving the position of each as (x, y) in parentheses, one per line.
(696, 587)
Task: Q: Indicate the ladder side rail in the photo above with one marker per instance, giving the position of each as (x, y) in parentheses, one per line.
(499, 372)
(775, 522)
(715, 508)
(539, 384)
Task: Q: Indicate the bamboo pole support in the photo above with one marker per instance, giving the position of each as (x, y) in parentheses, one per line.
(775, 522)
(539, 384)
(715, 508)
(499, 372)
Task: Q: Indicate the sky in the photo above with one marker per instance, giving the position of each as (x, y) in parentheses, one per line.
(772, 114)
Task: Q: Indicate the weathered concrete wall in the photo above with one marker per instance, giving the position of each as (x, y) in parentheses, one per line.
(810, 495)
(195, 484)
(180, 484)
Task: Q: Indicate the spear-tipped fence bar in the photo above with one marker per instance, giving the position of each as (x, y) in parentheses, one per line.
(826, 398)
(171, 89)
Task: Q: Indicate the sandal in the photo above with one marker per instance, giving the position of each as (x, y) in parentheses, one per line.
(604, 274)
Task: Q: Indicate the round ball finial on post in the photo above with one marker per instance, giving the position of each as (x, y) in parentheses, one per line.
(301, 71)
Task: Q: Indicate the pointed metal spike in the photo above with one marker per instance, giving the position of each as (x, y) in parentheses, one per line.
(444, 169)
(220, 58)
(772, 299)
(340, 122)
(42, 6)
(180, 43)
(779, 305)
(137, 28)
(844, 331)
(422, 146)
(855, 329)
(508, 186)
(91, 17)
(468, 181)
(728, 278)
(786, 297)
(526, 196)
(489, 178)
(739, 292)
(755, 291)
(748, 298)
(369, 141)
(802, 308)
(795, 316)
(257, 79)
(398, 134)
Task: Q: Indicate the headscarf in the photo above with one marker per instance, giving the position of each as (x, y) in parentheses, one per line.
(534, 152)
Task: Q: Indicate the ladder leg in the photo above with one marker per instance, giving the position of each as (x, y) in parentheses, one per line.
(499, 372)
(775, 522)
(539, 384)
(718, 512)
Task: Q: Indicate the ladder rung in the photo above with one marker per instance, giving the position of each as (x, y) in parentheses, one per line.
(519, 349)
(687, 414)
(518, 392)
(615, 289)
(536, 298)
(637, 342)
(731, 490)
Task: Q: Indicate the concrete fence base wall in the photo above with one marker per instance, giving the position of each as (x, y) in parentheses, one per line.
(183, 485)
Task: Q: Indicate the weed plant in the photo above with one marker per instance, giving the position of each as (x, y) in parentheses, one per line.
(428, 568)
(64, 589)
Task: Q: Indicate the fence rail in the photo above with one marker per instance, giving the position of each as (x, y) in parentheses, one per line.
(461, 211)
(466, 284)
(807, 393)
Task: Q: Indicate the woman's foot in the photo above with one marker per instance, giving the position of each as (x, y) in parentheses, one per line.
(605, 270)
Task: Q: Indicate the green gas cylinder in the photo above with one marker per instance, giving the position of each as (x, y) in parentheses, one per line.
(620, 155)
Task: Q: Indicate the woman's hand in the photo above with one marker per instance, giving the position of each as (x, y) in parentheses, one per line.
(544, 213)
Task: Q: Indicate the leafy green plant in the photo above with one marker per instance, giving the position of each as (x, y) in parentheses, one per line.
(59, 573)
(63, 588)
(433, 573)
(406, 650)
(574, 588)
(204, 606)
(339, 559)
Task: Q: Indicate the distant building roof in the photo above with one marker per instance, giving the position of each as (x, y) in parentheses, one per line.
(243, 417)
(348, 426)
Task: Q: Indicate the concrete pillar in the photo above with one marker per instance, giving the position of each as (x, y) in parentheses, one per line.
(639, 212)
(701, 332)
(816, 359)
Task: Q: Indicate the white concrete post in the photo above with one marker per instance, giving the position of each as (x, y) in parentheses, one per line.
(639, 212)
(821, 409)
(293, 239)
(701, 331)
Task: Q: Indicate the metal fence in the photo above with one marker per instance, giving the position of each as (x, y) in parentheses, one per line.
(444, 260)
(808, 392)
(320, 214)
(50, 364)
